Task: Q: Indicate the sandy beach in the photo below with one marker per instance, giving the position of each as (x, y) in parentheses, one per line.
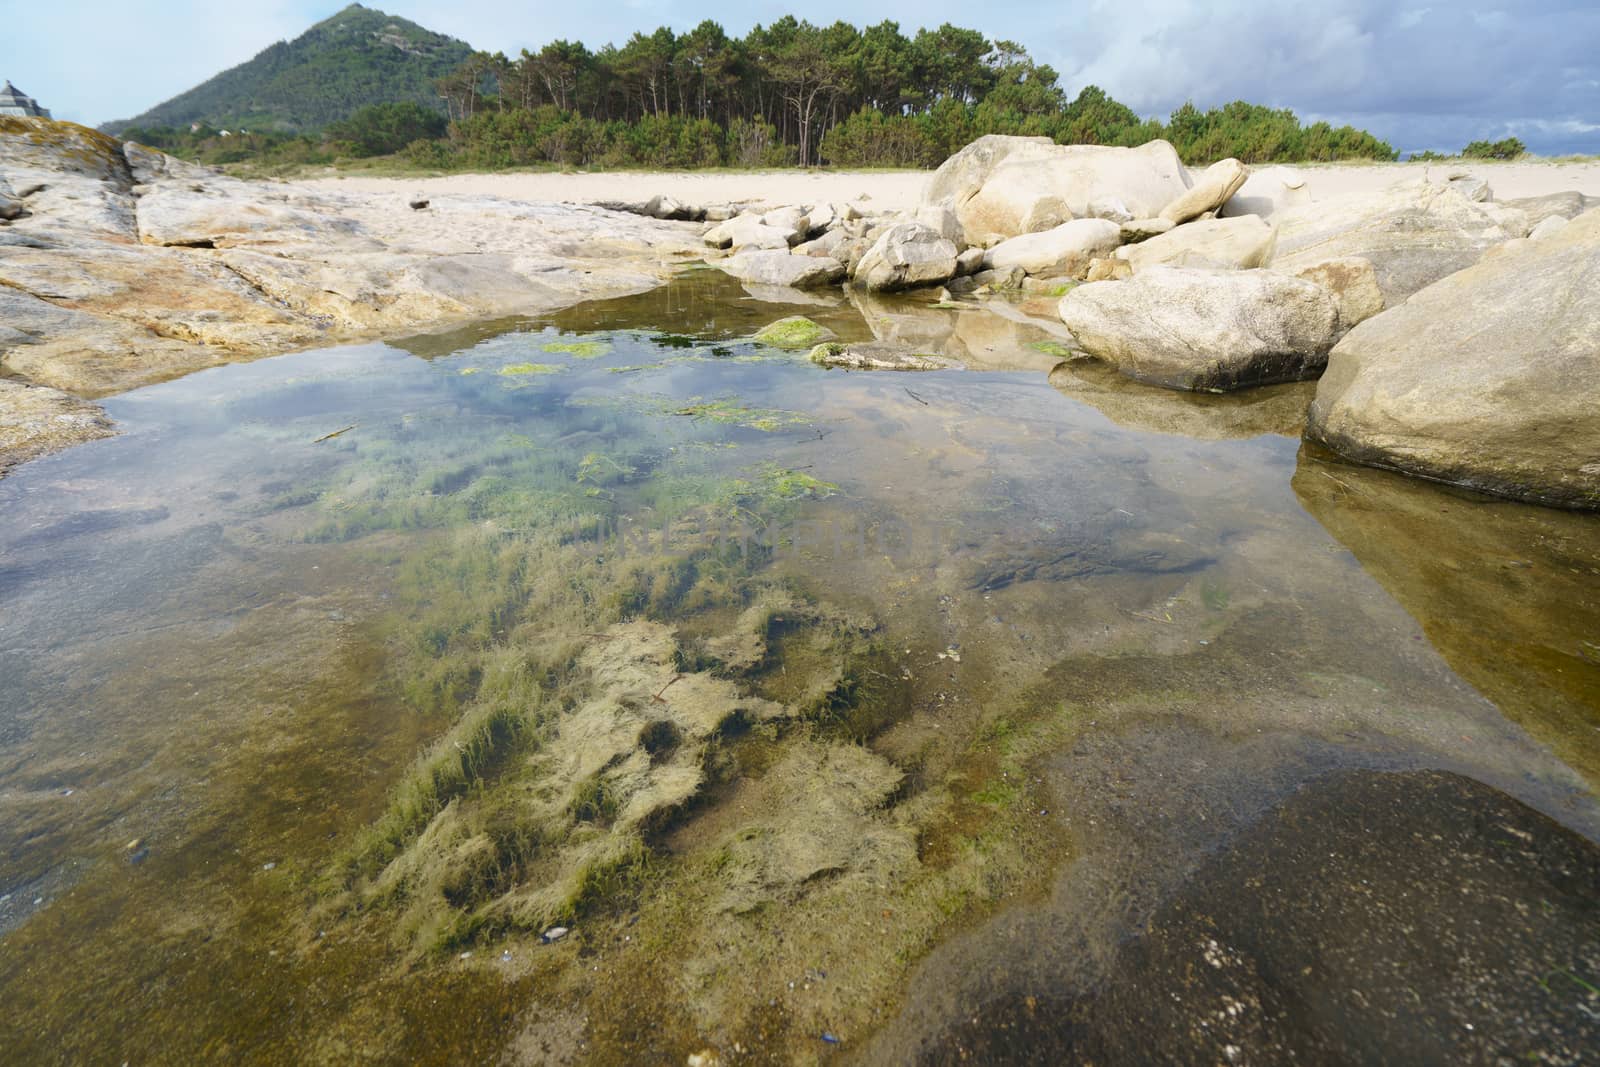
(898, 190)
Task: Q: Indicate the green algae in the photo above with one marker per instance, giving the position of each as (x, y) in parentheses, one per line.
(579, 349)
(729, 412)
(795, 332)
(519, 369)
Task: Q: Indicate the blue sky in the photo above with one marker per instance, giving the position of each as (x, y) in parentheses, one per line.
(1423, 74)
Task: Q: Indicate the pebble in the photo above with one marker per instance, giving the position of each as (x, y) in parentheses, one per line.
(268, 866)
(554, 934)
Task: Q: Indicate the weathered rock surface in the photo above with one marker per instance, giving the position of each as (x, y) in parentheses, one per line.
(878, 355)
(1413, 234)
(1214, 186)
(960, 177)
(1109, 269)
(1547, 227)
(125, 267)
(783, 268)
(750, 232)
(1489, 378)
(1135, 230)
(1568, 205)
(905, 256)
(1222, 244)
(1205, 330)
(1354, 285)
(35, 421)
(1064, 250)
(1027, 187)
(1266, 192)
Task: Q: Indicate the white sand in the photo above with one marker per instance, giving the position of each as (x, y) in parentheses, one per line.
(899, 190)
(884, 190)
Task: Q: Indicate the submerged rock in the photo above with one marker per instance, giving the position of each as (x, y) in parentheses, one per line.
(1208, 330)
(1386, 889)
(1486, 379)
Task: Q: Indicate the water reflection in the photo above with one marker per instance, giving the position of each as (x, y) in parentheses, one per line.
(1509, 594)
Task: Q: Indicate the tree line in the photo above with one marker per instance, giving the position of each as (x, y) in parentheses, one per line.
(791, 93)
(798, 93)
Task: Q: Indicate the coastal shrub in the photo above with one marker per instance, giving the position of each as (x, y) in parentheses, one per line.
(1509, 148)
(384, 129)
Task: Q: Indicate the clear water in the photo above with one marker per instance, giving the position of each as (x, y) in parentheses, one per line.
(1016, 614)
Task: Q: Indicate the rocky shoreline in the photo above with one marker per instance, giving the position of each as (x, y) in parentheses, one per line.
(121, 267)
(1457, 344)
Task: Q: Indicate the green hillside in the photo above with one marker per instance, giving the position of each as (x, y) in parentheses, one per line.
(358, 57)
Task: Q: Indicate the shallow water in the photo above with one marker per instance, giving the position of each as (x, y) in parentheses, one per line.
(303, 672)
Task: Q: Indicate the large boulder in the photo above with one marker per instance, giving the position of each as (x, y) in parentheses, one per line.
(1267, 192)
(907, 255)
(1354, 285)
(1566, 205)
(1210, 191)
(963, 174)
(1064, 250)
(1223, 244)
(1489, 378)
(1414, 234)
(1037, 189)
(1204, 329)
(748, 232)
(782, 268)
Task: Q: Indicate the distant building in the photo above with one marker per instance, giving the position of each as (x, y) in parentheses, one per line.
(14, 101)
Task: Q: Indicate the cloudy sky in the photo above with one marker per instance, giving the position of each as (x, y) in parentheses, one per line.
(1419, 73)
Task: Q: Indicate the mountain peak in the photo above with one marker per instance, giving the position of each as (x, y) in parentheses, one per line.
(356, 57)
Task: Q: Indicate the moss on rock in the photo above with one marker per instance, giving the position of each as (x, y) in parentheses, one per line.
(794, 332)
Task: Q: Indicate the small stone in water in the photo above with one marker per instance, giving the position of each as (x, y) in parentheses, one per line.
(555, 933)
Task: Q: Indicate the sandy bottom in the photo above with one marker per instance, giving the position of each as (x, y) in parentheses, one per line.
(898, 190)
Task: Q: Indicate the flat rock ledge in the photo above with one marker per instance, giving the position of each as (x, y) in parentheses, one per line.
(121, 267)
(36, 421)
